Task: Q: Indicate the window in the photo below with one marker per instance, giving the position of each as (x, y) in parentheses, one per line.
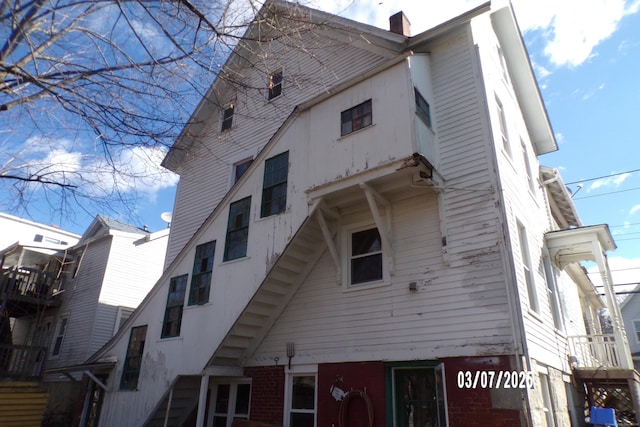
(636, 327)
(60, 331)
(274, 187)
(201, 278)
(133, 361)
(552, 292)
(356, 118)
(366, 257)
(422, 108)
(526, 265)
(503, 127)
(38, 238)
(227, 118)
(503, 64)
(275, 84)
(549, 410)
(240, 168)
(302, 402)
(237, 230)
(175, 302)
(527, 166)
(230, 402)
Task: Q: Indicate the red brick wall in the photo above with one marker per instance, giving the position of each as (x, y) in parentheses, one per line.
(469, 407)
(267, 393)
(356, 376)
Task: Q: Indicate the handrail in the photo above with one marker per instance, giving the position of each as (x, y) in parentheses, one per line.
(597, 350)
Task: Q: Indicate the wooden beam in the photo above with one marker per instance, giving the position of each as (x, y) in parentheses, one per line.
(330, 245)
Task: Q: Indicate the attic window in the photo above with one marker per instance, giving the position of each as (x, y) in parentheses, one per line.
(356, 118)
(275, 84)
(227, 118)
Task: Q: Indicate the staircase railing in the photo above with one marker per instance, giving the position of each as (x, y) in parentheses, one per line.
(21, 362)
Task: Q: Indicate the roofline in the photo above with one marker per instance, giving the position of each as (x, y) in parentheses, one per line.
(524, 80)
(39, 225)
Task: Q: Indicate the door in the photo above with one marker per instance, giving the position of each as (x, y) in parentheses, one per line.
(230, 401)
(419, 397)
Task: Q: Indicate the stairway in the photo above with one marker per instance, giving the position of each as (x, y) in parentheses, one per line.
(181, 399)
(283, 280)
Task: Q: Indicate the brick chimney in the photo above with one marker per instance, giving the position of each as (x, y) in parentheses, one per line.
(399, 24)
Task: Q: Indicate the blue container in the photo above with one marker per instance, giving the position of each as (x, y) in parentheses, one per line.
(602, 417)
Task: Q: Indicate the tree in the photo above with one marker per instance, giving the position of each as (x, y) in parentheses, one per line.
(92, 92)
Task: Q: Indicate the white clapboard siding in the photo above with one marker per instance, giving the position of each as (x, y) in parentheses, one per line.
(80, 304)
(328, 323)
(206, 171)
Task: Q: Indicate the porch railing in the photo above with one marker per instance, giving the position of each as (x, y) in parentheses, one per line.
(21, 362)
(595, 351)
(30, 282)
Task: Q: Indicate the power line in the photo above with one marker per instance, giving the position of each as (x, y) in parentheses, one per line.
(601, 177)
(606, 194)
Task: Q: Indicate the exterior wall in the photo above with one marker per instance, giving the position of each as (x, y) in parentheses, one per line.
(267, 393)
(81, 298)
(208, 166)
(631, 312)
(13, 229)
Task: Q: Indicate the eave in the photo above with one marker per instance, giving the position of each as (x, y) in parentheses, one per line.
(524, 81)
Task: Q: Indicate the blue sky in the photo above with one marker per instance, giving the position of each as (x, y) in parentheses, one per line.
(586, 55)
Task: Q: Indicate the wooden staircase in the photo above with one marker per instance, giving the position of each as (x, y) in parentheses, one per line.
(177, 403)
(278, 288)
(22, 404)
(282, 281)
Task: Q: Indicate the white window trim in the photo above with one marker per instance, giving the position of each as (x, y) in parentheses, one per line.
(527, 267)
(231, 414)
(55, 336)
(298, 371)
(347, 231)
(636, 329)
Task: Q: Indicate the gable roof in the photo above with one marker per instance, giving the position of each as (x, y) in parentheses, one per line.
(302, 17)
(102, 225)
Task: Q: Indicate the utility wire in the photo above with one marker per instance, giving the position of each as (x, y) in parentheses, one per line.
(601, 177)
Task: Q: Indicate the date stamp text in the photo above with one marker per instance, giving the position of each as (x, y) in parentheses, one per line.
(495, 379)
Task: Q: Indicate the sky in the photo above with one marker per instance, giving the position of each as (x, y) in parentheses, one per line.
(586, 56)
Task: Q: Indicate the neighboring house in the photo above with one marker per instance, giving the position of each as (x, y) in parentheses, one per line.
(370, 224)
(99, 282)
(630, 309)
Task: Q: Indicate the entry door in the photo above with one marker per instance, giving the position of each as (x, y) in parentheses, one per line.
(419, 397)
(230, 401)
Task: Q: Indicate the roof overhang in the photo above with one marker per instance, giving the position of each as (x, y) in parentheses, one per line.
(524, 80)
(579, 244)
(562, 207)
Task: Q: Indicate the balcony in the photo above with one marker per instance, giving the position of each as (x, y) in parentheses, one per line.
(595, 351)
(26, 290)
(21, 362)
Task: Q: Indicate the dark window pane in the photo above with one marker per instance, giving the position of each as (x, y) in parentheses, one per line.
(364, 242)
(237, 230)
(227, 118)
(274, 189)
(303, 395)
(133, 359)
(242, 398)
(356, 118)
(202, 268)
(302, 420)
(241, 168)
(222, 398)
(366, 269)
(275, 85)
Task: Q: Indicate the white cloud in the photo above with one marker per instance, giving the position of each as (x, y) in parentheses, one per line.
(633, 210)
(133, 169)
(613, 181)
(571, 28)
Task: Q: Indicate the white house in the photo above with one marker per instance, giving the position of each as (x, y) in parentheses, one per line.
(362, 231)
(96, 284)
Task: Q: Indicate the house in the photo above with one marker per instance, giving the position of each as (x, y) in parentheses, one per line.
(630, 309)
(362, 231)
(96, 284)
